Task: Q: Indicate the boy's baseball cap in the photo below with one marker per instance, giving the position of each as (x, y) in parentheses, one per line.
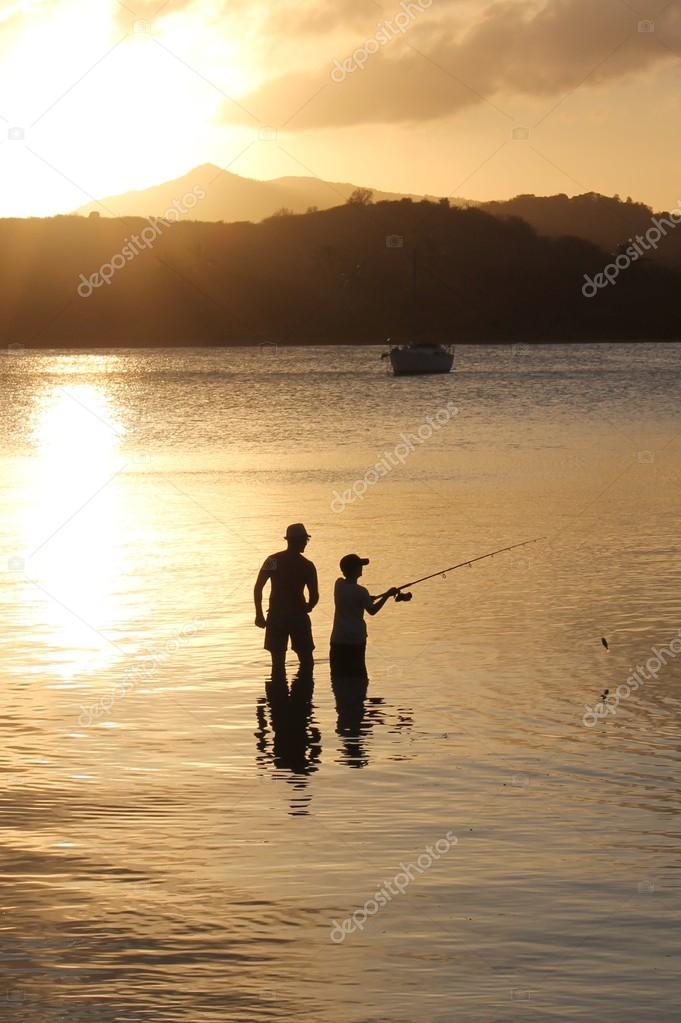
(351, 561)
(297, 529)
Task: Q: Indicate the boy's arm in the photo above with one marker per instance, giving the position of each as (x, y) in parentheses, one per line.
(378, 602)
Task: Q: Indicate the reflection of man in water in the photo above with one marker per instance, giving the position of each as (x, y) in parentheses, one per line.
(294, 741)
(290, 575)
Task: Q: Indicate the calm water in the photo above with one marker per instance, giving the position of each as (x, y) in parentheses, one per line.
(177, 848)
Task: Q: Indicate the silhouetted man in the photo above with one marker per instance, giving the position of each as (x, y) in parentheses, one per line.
(288, 617)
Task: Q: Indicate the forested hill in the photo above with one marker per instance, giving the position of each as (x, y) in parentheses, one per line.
(354, 273)
(607, 222)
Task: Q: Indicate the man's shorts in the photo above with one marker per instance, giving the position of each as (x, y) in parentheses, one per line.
(282, 627)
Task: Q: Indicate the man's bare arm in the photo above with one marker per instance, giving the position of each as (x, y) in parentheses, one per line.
(312, 589)
(263, 576)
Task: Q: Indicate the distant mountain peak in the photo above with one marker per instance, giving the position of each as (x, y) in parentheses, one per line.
(209, 168)
(231, 197)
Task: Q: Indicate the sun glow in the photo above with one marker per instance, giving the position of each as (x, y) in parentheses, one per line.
(94, 107)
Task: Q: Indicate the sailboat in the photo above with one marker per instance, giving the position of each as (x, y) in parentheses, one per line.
(418, 357)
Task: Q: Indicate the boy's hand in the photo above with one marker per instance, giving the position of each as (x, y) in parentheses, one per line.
(260, 621)
(393, 591)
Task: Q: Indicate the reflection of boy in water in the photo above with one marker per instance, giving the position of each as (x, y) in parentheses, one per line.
(349, 635)
(289, 574)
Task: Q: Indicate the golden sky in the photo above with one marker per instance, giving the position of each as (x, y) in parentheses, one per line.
(469, 98)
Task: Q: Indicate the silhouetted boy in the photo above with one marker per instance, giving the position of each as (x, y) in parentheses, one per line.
(349, 635)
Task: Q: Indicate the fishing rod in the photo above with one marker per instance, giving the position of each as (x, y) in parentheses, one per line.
(462, 564)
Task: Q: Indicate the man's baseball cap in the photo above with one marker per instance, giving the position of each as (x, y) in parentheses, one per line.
(296, 530)
(352, 561)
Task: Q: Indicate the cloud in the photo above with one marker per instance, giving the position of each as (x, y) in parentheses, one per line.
(126, 14)
(321, 16)
(316, 17)
(14, 14)
(441, 66)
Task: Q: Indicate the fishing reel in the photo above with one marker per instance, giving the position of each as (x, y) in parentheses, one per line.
(403, 596)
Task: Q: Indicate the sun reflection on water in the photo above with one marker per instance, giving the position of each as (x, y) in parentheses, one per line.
(72, 527)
